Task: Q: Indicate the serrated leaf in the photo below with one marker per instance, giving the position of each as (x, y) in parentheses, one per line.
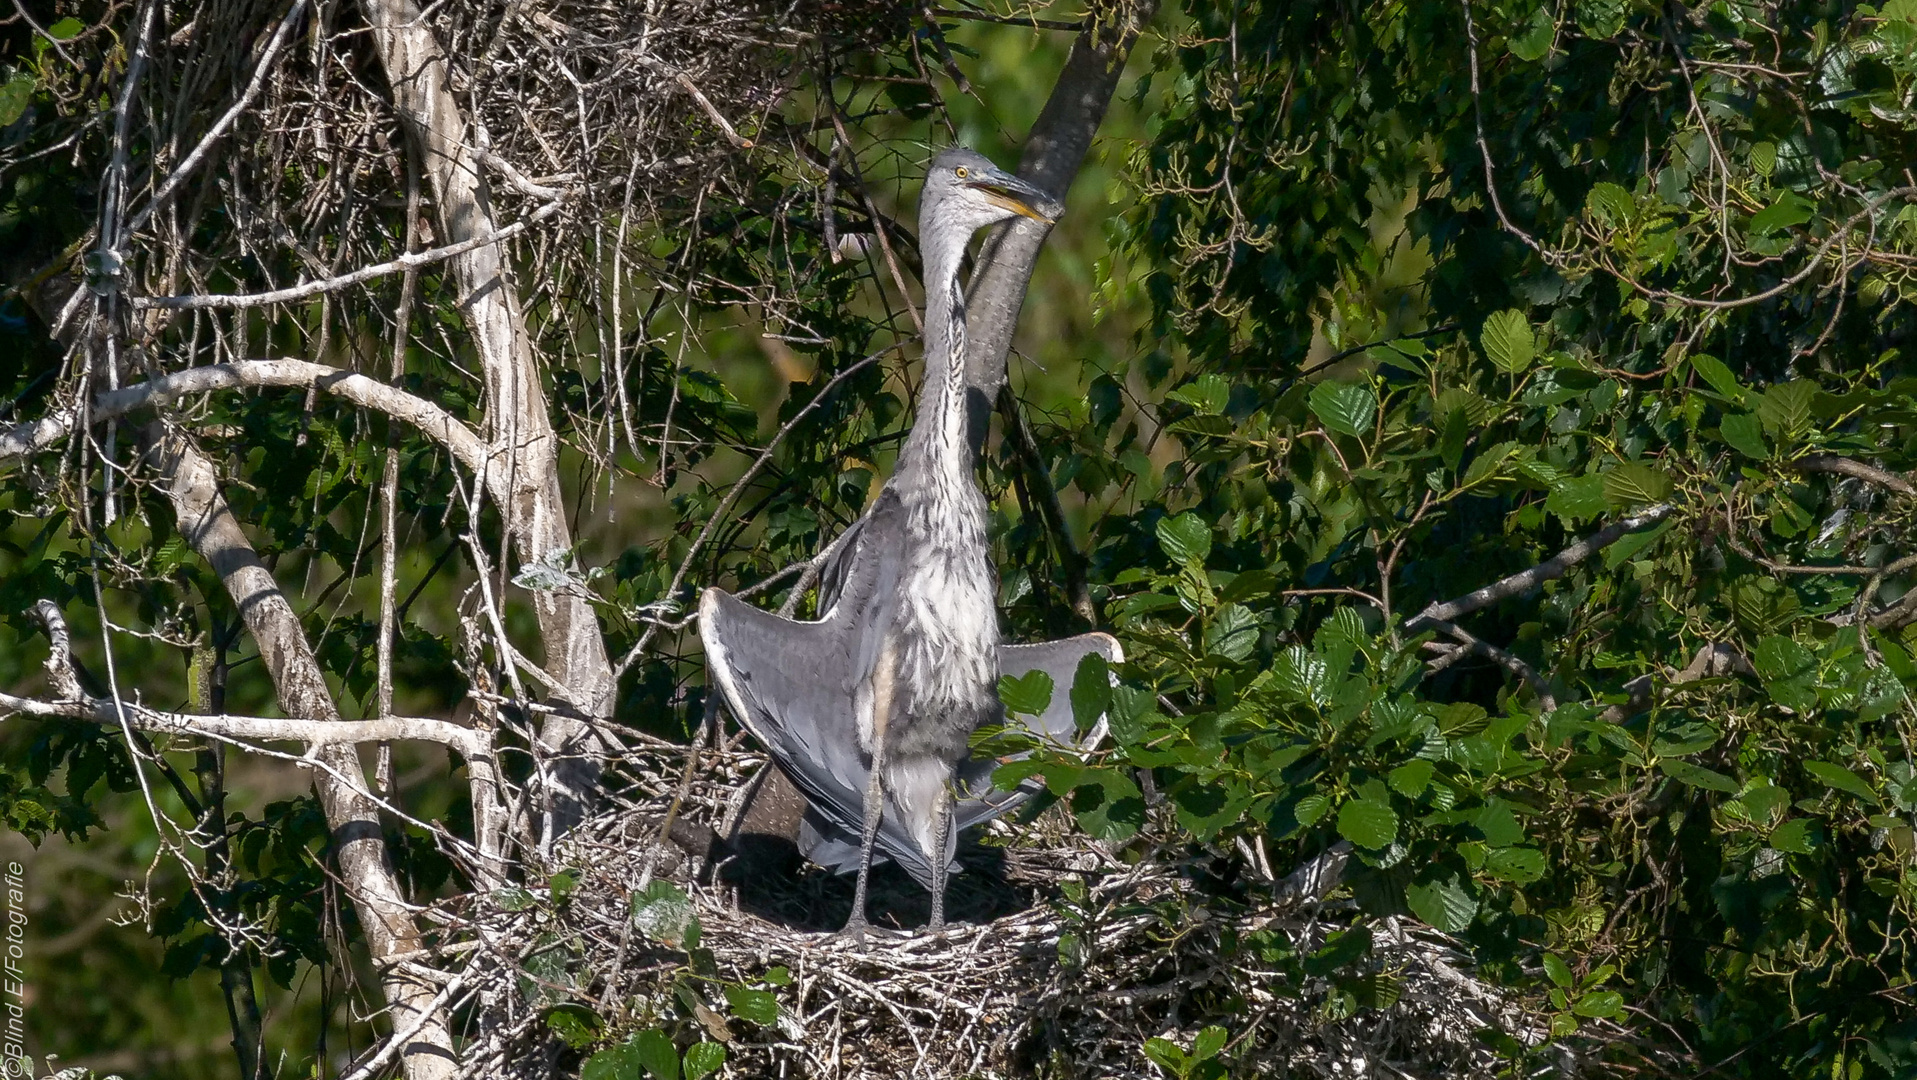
(1368, 823)
(1745, 433)
(1786, 407)
(703, 1059)
(1030, 693)
(1714, 372)
(1185, 539)
(1091, 690)
(1443, 904)
(1232, 634)
(1578, 499)
(1208, 394)
(1346, 408)
(66, 29)
(1696, 775)
(1836, 776)
(1412, 778)
(1794, 836)
(657, 1053)
(15, 95)
(1517, 865)
(1166, 1055)
(1634, 483)
(1557, 971)
(1532, 41)
(1599, 1003)
(1609, 204)
(758, 1006)
(1788, 210)
(662, 911)
(1763, 158)
(613, 1063)
(1208, 1043)
(1508, 342)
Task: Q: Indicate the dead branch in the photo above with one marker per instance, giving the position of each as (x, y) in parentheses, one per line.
(410, 261)
(1843, 466)
(1499, 656)
(1550, 569)
(431, 420)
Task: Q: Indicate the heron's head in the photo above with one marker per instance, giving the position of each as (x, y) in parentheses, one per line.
(965, 192)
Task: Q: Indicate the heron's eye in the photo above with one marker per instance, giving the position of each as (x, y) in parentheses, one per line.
(961, 172)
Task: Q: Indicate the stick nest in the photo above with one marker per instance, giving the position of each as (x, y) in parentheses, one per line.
(1063, 959)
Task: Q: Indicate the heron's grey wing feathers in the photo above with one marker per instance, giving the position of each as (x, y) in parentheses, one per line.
(837, 848)
(794, 685)
(1060, 660)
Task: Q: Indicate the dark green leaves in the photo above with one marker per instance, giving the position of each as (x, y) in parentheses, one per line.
(1789, 209)
(1185, 539)
(1368, 823)
(1346, 408)
(1636, 483)
(1030, 693)
(663, 912)
(1508, 342)
(1443, 903)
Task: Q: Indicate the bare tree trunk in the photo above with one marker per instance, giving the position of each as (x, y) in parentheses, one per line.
(525, 478)
(207, 523)
(1054, 151)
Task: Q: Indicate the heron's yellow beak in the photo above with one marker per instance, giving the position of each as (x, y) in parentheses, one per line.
(1016, 201)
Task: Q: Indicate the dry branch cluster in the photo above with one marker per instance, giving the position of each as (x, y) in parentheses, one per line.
(1099, 956)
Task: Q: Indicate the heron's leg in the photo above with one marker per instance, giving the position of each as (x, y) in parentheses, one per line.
(941, 836)
(855, 927)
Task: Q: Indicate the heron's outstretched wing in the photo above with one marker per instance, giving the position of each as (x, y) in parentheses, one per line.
(831, 844)
(794, 684)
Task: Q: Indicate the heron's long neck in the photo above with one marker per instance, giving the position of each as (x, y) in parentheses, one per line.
(937, 442)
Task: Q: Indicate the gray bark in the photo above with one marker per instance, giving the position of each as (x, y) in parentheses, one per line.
(1053, 153)
(208, 525)
(517, 423)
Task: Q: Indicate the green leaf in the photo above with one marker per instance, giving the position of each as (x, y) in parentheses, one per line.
(1030, 693)
(1599, 1003)
(1719, 376)
(662, 912)
(1836, 776)
(1790, 209)
(1794, 836)
(1634, 483)
(1609, 204)
(576, 1025)
(1444, 904)
(1346, 408)
(1786, 407)
(1185, 539)
(561, 885)
(1412, 778)
(1557, 971)
(1232, 634)
(1696, 775)
(1168, 1056)
(512, 898)
(758, 1006)
(1368, 823)
(15, 95)
(1578, 499)
(1518, 865)
(1745, 433)
(1091, 691)
(1779, 657)
(1532, 41)
(703, 1059)
(66, 29)
(1209, 1042)
(614, 1063)
(1208, 394)
(1763, 158)
(1508, 341)
(657, 1053)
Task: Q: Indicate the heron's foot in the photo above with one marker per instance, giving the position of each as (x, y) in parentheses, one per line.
(936, 926)
(860, 932)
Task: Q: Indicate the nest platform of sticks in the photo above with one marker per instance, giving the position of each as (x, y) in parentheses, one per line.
(1062, 959)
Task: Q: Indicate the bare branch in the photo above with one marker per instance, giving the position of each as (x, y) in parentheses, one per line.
(1843, 466)
(311, 733)
(1525, 581)
(431, 420)
(1504, 659)
(411, 261)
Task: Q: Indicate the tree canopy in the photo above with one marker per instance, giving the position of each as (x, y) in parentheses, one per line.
(1485, 425)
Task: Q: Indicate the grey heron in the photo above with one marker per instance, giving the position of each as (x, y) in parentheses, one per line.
(870, 708)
